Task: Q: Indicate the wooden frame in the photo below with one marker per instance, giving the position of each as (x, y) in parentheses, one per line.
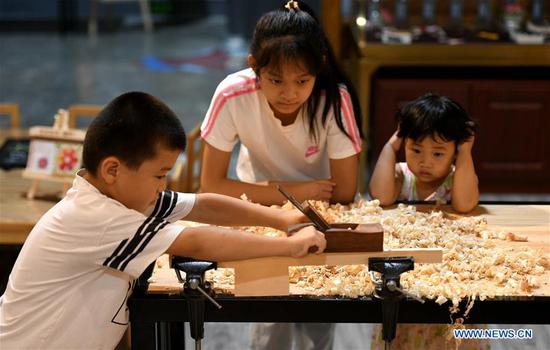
(38, 133)
(144, 8)
(77, 110)
(11, 109)
(184, 178)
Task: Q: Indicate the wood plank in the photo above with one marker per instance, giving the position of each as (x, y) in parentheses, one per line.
(426, 255)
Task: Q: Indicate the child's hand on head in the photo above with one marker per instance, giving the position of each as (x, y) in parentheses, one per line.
(320, 190)
(466, 146)
(306, 238)
(395, 141)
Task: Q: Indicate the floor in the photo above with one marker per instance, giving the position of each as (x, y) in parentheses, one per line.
(180, 65)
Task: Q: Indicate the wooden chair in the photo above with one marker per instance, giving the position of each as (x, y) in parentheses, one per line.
(11, 110)
(143, 5)
(187, 171)
(76, 111)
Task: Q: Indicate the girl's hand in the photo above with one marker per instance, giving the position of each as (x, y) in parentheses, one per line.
(320, 190)
(307, 237)
(395, 141)
(466, 146)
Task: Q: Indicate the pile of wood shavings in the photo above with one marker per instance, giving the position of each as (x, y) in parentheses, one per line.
(474, 266)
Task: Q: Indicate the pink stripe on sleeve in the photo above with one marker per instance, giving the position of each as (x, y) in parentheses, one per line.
(350, 120)
(224, 99)
(221, 98)
(355, 127)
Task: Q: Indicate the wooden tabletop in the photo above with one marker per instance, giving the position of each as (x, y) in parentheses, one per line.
(531, 221)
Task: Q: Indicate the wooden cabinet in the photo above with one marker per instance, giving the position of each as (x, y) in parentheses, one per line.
(512, 151)
(512, 148)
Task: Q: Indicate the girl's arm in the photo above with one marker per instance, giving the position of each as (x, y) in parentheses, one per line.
(217, 209)
(385, 183)
(220, 244)
(344, 175)
(465, 192)
(214, 179)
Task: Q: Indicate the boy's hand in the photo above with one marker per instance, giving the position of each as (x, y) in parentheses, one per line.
(395, 141)
(466, 146)
(306, 238)
(292, 217)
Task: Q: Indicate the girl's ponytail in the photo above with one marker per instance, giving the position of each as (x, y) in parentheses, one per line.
(332, 77)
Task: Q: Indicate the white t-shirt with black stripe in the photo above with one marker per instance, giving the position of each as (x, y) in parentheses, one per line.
(69, 286)
(270, 151)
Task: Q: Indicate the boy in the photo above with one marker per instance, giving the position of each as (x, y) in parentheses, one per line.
(70, 283)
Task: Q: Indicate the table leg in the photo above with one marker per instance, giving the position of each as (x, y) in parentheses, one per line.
(143, 335)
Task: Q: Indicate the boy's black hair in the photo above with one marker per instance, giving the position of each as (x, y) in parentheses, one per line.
(295, 35)
(435, 115)
(131, 127)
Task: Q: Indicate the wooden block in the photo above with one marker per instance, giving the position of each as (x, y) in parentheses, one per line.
(343, 237)
(257, 281)
(350, 237)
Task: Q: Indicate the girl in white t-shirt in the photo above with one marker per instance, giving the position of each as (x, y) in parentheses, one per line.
(294, 112)
(297, 118)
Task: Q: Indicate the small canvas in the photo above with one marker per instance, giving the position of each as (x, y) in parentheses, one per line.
(68, 158)
(42, 157)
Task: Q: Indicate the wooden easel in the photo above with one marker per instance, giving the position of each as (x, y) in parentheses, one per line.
(59, 132)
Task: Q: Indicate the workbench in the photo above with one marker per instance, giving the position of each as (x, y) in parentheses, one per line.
(157, 319)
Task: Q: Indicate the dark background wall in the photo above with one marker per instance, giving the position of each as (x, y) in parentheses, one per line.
(72, 15)
(243, 14)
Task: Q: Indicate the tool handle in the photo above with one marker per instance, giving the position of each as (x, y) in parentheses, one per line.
(313, 249)
(194, 284)
(308, 211)
(392, 286)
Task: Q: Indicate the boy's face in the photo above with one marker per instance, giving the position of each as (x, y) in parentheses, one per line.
(429, 159)
(138, 189)
(286, 88)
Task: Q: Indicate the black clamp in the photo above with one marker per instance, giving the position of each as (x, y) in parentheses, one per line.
(388, 290)
(195, 289)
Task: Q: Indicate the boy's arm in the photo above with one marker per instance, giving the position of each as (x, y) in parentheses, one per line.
(384, 183)
(217, 209)
(465, 192)
(220, 244)
(214, 179)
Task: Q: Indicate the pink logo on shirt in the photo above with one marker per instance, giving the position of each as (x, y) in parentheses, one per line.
(311, 150)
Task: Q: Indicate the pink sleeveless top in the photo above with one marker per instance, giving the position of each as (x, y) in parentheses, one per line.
(408, 190)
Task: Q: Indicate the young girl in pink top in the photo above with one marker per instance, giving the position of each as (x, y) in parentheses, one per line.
(297, 118)
(438, 137)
